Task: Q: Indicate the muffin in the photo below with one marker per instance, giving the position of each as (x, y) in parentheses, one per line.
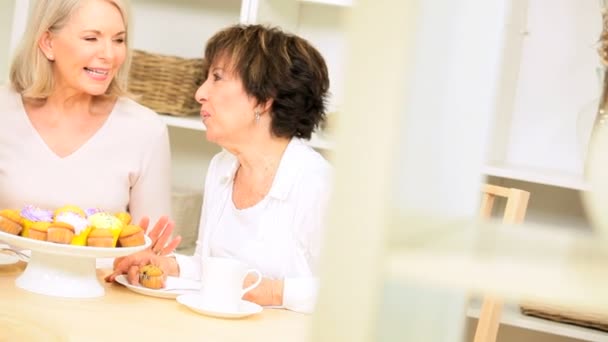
(109, 222)
(99, 237)
(60, 232)
(39, 231)
(80, 225)
(31, 214)
(124, 217)
(152, 277)
(10, 221)
(131, 235)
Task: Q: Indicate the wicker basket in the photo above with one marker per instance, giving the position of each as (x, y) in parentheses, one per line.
(186, 207)
(563, 314)
(166, 84)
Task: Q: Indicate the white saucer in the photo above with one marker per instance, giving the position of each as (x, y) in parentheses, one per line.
(7, 258)
(194, 303)
(176, 286)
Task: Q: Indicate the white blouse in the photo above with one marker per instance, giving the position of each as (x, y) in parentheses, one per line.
(280, 235)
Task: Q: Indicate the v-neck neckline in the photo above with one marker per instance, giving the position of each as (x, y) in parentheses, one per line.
(80, 148)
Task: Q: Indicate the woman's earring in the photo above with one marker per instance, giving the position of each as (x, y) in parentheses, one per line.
(257, 116)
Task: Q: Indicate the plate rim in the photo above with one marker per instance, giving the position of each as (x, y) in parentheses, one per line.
(122, 280)
(222, 314)
(70, 250)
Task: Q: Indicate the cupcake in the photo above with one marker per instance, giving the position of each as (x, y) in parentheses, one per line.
(100, 237)
(124, 217)
(107, 221)
(131, 235)
(10, 221)
(31, 214)
(152, 277)
(80, 225)
(72, 209)
(39, 230)
(60, 232)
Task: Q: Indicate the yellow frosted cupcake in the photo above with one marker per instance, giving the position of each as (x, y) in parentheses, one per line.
(10, 221)
(107, 221)
(124, 217)
(39, 231)
(131, 236)
(100, 237)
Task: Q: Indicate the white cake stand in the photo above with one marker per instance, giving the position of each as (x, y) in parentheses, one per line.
(64, 270)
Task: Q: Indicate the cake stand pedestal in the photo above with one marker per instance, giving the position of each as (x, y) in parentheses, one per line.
(63, 270)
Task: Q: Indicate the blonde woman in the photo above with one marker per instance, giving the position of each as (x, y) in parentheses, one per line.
(69, 135)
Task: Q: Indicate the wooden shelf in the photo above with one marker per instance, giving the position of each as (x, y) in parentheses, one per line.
(513, 317)
(343, 3)
(536, 175)
(318, 141)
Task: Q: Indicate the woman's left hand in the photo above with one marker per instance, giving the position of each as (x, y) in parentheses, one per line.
(268, 293)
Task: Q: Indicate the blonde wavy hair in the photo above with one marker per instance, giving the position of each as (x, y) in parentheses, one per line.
(31, 73)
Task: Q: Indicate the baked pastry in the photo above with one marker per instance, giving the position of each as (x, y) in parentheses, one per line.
(10, 221)
(100, 237)
(69, 209)
(31, 214)
(80, 225)
(60, 232)
(131, 235)
(124, 217)
(152, 277)
(39, 230)
(107, 221)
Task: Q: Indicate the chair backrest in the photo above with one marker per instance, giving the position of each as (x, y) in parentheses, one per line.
(515, 212)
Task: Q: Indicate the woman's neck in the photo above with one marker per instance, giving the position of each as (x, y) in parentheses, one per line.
(66, 103)
(263, 157)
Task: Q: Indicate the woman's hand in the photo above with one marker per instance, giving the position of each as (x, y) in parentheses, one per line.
(130, 265)
(160, 246)
(268, 293)
(160, 235)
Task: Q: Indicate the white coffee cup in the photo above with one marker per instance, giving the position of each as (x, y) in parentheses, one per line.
(222, 283)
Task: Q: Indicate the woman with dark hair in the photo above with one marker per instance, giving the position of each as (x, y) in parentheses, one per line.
(267, 191)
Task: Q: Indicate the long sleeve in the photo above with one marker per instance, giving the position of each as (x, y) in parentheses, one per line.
(151, 193)
(300, 293)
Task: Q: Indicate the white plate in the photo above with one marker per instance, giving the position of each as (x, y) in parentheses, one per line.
(195, 303)
(176, 286)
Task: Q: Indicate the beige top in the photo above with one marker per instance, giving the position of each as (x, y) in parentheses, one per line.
(125, 165)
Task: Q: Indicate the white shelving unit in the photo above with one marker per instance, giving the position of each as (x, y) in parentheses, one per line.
(512, 316)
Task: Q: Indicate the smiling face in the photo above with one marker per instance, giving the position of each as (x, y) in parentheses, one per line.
(226, 108)
(89, 50)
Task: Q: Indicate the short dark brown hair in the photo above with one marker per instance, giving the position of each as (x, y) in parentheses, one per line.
(278, 66)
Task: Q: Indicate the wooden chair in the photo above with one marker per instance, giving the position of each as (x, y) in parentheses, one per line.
(515, 211)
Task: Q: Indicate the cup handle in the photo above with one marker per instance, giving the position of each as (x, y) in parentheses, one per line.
(254, 285)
